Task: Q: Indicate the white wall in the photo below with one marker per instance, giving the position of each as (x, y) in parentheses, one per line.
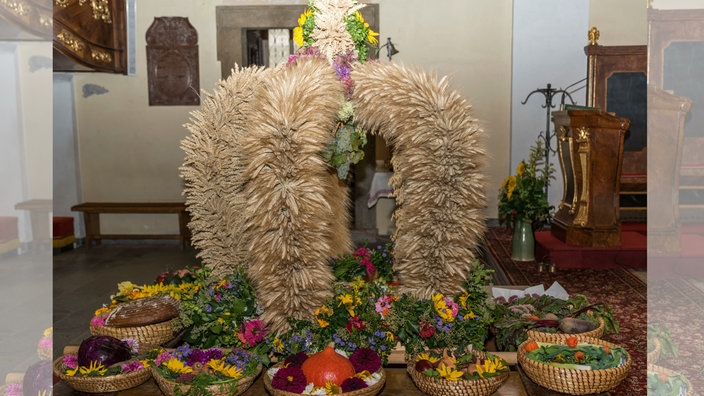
(548, 48)
(67, 191)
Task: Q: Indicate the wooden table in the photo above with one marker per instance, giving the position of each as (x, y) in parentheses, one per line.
(398, 383)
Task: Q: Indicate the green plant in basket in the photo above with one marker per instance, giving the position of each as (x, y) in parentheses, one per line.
(661, 333)
(195, 371)
(223, 313)
(548, 314)
(354, 317)
(576, 355)
(444, 321)
(667, 383)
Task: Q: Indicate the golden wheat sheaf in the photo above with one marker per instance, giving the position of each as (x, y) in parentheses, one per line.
(213, 170)
(290, 219)
(438, 154)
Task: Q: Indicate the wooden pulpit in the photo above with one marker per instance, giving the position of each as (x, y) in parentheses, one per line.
(590, 149)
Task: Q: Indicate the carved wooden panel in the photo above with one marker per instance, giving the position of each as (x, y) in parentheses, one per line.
(172, 62)
(92, 33)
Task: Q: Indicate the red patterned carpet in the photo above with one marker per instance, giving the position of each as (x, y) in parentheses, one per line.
(624, 292)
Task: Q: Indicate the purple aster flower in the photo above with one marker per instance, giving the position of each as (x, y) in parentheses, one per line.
(295, 360)
(353, 384)
(365, 359)
(203, 356)
(163, 357)
(289, 379)
(13, 389)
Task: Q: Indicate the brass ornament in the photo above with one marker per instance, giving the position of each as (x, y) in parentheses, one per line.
(101, 9)
(71, 41)
(100, 56)
(593, 36)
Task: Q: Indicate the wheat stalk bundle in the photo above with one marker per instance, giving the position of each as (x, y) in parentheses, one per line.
(437, 155)
(213, 170)
(292, 200)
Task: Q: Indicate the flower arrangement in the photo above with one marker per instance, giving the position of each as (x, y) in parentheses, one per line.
(336, 30)
(103, 364)
(660, 333)
(467, 366)
(195, 371)
(223, 314)
(522, 196)
(545, 313)
(332, 372)
(355, 317)
(444, 321)
(367, 263)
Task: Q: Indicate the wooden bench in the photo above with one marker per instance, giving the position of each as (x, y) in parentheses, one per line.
(92, 210)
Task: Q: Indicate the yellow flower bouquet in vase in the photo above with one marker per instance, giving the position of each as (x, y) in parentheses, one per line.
(523, 201)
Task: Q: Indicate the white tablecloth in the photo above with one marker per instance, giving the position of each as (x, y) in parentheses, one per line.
(380, 188)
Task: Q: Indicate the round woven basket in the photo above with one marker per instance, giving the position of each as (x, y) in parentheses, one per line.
(558, 338)
(441, 387)
(368, 391)
(662, 370)
(148, 336)
(574, 381)
(168, 387)
(110, 383)
(654, 355)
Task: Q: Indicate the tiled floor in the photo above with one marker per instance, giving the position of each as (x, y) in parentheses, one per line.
(84, 279)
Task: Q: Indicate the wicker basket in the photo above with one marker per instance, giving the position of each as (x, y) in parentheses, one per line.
(440, 387)
(168, 387)
(558, 338)
(368, 391)
(148, 336)
(111, 383)
(574, 381)
(654, 355)
(662, 370)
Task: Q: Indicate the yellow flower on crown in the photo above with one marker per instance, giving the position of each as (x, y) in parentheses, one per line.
(323, 311)
(371, 36)
(521, 168)
(298, 36)
(278, 344)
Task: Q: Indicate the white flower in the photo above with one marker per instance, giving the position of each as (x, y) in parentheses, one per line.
(341, 352)
(272, 371)
(373, 379)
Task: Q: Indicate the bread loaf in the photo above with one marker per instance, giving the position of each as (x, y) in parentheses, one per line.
(143, 311)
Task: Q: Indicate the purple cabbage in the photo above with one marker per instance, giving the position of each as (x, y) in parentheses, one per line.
(104, 349)
(38, 379)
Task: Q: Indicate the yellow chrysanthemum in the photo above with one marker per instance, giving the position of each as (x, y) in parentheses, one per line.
(426, 356)
(390, 336)
(94, 367)
(178, 367)
(332, 389)
(323, 311)
(71, 372)
(278, 344)
(449, 373)
(126, 287)
(371, 36)
(490, 366)
(521, 168)
(101, 311)
(357, 284)
(219, 366)
(511, 186)
(470, 315)
(348, 301)
(463, 299)
(298, 36)
(363, 374)
(441, 308)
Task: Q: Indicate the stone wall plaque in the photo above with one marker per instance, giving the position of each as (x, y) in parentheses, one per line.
(172, 62)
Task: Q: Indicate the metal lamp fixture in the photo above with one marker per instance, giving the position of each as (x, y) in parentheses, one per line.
(390, 48)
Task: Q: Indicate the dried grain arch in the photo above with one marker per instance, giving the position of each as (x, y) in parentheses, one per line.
(253, 163)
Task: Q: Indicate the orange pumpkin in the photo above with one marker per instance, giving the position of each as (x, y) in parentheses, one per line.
(327, 366)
